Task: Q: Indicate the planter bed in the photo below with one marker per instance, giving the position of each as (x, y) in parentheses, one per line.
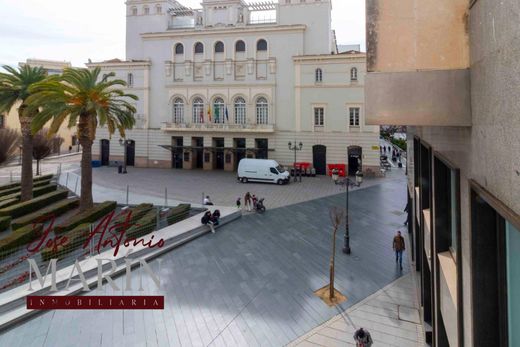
(35, 179)
(19, 238)
(76, 238)
(17, 189)
(178, 213)
(143, 226)
(90, 216)
(47, 213)
(137, 213)
(5, 221)
(36, 192)
(26, 207)
(7, 203)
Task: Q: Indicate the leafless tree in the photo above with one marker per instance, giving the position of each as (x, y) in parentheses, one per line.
(336, 217)
(43, 146)
(9, 143)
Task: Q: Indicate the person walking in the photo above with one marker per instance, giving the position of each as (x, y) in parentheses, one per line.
(399, 247)
(363, 338)
(247, 201)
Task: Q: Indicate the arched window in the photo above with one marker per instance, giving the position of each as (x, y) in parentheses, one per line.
(261, 45)
(219, 47)
(218, 110)
(353, 74)
(179, 48)
(262, 111)
(319, 75)
(146, 10)
(178, 111)
(240, 46)
(199, 48)
(198, 110)
(158, 9)
(130, 80)
(134, 11)
(240, 111)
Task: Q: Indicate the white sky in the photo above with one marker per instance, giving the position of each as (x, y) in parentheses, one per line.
(74, 30)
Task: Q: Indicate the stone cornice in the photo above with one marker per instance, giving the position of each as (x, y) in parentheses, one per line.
(223, 31)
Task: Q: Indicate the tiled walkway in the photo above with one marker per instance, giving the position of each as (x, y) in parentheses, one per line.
(391, 316)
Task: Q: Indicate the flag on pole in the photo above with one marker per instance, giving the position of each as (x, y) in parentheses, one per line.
(217, 114)
(209, 113)
(227, 115)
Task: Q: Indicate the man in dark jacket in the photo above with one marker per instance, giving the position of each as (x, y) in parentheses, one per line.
(399, 248)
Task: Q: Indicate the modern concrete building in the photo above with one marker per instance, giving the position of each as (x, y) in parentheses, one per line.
(12, 121)
(236, 79)
(449, 70)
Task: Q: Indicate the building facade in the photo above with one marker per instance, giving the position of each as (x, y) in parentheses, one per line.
(236, 79)
(12, 120)
(449, 70)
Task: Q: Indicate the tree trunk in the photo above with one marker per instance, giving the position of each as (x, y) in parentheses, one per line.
(332, 263)
(27, 158)
(86, 200)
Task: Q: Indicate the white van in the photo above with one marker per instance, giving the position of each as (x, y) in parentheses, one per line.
(261, 170)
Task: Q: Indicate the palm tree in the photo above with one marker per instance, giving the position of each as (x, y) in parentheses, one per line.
(14, 90)
(81, 98)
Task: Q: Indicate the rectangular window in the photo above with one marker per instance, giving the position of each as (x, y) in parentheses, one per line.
(354, 116)
(130, 80)
(319, 113)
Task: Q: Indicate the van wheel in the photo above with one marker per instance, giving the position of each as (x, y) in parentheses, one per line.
(279, 182)
(244, 180)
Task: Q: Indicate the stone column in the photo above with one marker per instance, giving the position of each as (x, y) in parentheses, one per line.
(187, 154)
(250, 144)
(208, 155)
(229, 155)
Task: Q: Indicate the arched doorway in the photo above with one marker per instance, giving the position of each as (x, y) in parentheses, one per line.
(105, 152)
(130, 153)
(319, 159)
(355, 157)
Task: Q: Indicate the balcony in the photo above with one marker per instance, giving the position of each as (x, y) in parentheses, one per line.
(217, 127)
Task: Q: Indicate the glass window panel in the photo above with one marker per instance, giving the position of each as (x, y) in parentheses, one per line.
(454, 216)
(513, 283)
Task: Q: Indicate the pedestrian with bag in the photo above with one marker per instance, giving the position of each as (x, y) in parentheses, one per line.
(399, 247)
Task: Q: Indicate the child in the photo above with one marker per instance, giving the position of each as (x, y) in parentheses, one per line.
(239, 203)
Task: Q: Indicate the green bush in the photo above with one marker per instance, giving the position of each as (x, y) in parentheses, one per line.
(75, 239)
(10, 202)
(143, 226)
(399, 143)
(137, 213)
(35, 180)
(5, 222)
(43, 178)
(45, 214)
(17, 189)
(26, 207)
(88, 216)
(178, 213)
(19, 237)
(36, 192)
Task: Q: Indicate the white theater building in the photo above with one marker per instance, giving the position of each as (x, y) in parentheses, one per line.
(239, 79)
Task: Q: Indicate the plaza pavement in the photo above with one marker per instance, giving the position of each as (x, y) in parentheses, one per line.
(251, 284)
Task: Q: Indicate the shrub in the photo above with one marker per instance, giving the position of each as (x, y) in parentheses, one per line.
(17, 189)
(43, 178)
(26, 207)
(9, 202)
(35, 180)
(143, 226)
(36, 192)
(88, 216)
(20, 237)
(46, 213)
(137, 213)
(5, 222)
(178, 213)
(75, 239)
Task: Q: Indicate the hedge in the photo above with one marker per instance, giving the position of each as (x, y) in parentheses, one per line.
(35, 179)
(36, 192)
(45, 214)
(178, 213)
(137, 213)
(19, 238)
(75, 239)
(10, 202)
(26, 207)
(88, 216)
(5, 222)
(17, 189)
(143, 226)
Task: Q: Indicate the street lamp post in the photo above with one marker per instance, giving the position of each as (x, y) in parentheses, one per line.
(124, 142)
(294, 149)
(349, 183)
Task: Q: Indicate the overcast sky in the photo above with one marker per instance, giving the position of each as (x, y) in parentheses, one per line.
(76, 30)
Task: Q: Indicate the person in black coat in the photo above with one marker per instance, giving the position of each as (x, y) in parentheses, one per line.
(207, 220)
(215, 218)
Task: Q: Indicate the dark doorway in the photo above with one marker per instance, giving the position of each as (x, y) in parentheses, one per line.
(130, 153)
(198, 152)
(319, 159)
(219, 153)
(177, 158)
(262, 146)
(105, 152)
(240, 147)
(355, 155)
